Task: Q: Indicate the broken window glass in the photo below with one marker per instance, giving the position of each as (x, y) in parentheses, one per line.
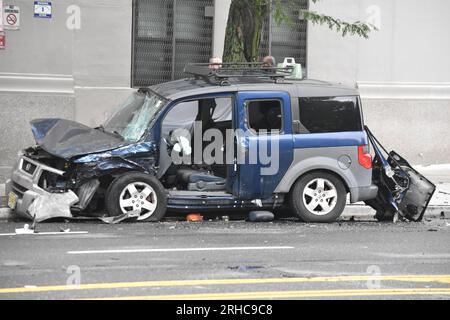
(134, 117)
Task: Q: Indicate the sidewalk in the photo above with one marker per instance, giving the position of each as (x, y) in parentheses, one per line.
(439, 205)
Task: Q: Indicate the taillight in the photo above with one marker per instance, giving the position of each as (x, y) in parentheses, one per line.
(364, 157)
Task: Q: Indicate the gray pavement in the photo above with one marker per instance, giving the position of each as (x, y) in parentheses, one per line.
(354, 258)
(360, 259)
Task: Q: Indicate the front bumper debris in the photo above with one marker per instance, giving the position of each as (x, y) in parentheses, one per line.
(53, 205)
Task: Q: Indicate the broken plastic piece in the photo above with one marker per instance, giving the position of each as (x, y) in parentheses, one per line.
(25, 230)
(117, 219)
(52, 205)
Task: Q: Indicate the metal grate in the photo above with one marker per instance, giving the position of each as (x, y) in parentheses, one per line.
(286, 40)
(168, 34)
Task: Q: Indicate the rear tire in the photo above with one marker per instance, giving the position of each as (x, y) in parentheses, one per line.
(318, 197)
(137, 192)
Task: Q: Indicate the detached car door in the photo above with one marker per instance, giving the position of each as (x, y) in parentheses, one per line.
(264, 146)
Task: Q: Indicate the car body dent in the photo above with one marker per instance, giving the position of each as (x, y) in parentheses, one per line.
(135, 157)
(67, 139)
(125, 151)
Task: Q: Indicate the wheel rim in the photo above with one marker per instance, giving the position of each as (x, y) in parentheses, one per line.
(138, 196)
(319, 196)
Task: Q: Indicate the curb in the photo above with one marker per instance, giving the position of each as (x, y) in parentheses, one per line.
(356, 211)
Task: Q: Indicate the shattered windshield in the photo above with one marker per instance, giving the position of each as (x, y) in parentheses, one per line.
(134, 116)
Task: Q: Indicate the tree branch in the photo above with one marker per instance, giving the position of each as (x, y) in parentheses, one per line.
(345, 28)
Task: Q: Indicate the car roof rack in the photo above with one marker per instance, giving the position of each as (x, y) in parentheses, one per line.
(226, 70)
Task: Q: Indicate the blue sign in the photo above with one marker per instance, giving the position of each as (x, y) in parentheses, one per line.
(42, 9)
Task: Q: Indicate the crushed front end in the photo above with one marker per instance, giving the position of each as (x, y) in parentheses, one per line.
(37, 174)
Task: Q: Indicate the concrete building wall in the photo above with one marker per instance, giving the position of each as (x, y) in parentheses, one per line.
(402, 70)
(50, 69)
(102, 58)
(412, 44)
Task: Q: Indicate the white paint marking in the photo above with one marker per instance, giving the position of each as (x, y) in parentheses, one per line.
(178, 250)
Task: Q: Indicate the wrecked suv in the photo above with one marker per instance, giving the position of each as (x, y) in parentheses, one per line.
(228, 139)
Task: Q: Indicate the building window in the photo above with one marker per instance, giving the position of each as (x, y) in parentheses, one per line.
(264, 115)
(330, 114)
(168, 34)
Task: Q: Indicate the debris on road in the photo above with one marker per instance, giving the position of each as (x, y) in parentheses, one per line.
(194, 217)
(117, 219)
(25, 230)
(261, 216)
(245, 268)
(30, 230)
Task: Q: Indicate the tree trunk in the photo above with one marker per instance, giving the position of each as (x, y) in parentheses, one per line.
(244, 28)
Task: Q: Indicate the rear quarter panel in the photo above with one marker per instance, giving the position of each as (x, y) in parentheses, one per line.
(334, 152)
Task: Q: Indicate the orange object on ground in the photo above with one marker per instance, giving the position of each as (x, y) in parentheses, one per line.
(194, 217)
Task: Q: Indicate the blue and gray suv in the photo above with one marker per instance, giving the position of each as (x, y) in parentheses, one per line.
(219, 140)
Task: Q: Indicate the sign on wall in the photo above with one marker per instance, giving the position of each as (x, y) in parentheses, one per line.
(2, 40)
(11, 17)
(42, 9)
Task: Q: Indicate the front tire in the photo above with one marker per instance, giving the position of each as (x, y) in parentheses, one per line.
(318, 197)
(137, 192)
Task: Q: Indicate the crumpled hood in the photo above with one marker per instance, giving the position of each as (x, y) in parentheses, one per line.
(67, 139)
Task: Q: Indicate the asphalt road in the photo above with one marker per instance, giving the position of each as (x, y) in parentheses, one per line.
(227, 260)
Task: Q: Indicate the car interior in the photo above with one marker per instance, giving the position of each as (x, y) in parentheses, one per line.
(187, 118)
(210, 113)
